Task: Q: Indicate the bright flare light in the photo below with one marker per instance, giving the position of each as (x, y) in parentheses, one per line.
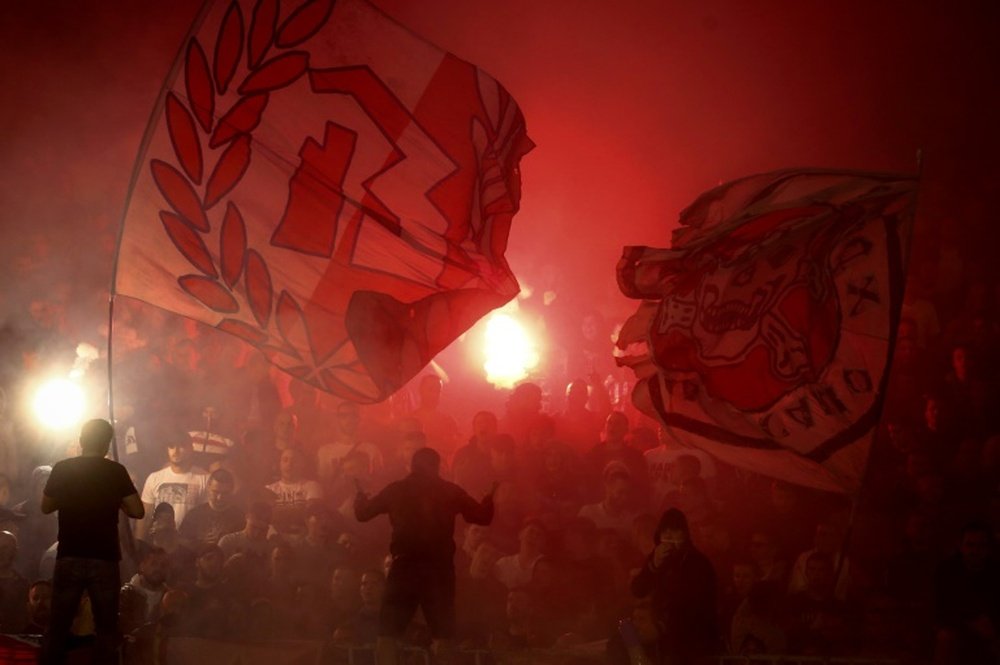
(510, 352)
(59, 404)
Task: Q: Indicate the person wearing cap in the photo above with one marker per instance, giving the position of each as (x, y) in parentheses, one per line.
(680, 582)
(422, 508)
(179, 483)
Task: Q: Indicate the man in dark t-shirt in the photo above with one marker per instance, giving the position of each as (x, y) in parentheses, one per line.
(88, 491)
(422, 508)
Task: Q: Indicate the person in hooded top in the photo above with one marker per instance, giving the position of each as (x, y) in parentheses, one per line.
(681, 585)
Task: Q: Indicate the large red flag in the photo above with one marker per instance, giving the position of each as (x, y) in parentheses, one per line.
(327, 186)
(766, 330)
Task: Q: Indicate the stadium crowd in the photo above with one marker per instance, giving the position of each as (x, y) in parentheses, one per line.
(250, 532)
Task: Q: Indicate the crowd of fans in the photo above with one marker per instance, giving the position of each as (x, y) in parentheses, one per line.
(250, 532)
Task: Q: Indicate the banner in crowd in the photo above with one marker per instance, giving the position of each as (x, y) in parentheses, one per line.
(765, 333)
(327, 186)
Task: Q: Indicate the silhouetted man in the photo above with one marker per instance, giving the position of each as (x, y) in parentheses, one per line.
(88, 492)
(422, 509)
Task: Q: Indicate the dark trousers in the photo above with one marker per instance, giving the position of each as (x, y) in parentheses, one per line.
(100, 579)
(429, 585)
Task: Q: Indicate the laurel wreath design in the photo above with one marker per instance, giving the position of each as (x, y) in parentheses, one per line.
(191, 196)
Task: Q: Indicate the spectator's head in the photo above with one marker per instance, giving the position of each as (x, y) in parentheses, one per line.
(372, 589)
(532, 537)
(318, 523)
(258, 521)
(179, 451)
(153, 567)
(8, 549)
(577, 394)
(819, 574)
(976, 545)
(430, 392)
(484, 426)
(290, 465)
(525, 400)
(616, 428)
(285, 428)
(346, 542)
(344, 584)
(348, 417)
(39, 477)
(475, 535)
(426, 462)
(744, 577)
(932, 412)
(164, 521)
(673, 531)
(40, 602)
(221, 487)
(763, 551)
(95, 437)
(208, 564)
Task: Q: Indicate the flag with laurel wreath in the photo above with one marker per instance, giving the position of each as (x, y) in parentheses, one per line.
(327, 186)
(766, 331)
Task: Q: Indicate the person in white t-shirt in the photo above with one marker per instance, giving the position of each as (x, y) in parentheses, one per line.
(294, 494)
(515, 571)
(615, 511)
(179, 483)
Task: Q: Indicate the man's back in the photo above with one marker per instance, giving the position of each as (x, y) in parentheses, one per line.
(89, 492)
(422, 511)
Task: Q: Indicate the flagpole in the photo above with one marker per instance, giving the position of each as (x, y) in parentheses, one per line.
(147, 138)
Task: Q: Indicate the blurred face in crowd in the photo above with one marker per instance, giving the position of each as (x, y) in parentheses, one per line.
(344, 583)
(210, 566)
(762, 550)
(474, 537)
(959, 362)
(40, 601)
(257, 527)
(372, 588)
(577, 394)
(179, 453)
(348, 418)
(153, 570)
(532, 539)
(744, 577)
(220, 494)
(484, 425)
(285, 427)
(290, 465)
(673, 540)
(618, 492)
(932, 414)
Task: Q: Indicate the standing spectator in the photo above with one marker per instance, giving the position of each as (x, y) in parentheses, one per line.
(347, 439)
(142, 595)
(524, 406)
(616, 510)
(422, 509)
(88, 491)
(578, 426)
(179, 483)
(252, 540)
(681, 582)
(614, 447)
(210, 521)
(472, 466)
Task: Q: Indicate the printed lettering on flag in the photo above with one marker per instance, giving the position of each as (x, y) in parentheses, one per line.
(330, 188)
(766, 330)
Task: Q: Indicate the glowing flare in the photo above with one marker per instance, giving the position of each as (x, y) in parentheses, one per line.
(510, 351)
(59, 404)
